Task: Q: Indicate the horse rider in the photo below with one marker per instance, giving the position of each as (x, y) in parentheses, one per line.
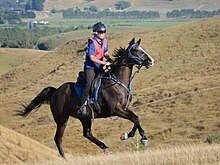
(93, 65)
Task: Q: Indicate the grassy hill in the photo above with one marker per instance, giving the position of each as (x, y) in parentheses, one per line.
(17, 149)
(11, 58)
(177, 100)
(162, 6)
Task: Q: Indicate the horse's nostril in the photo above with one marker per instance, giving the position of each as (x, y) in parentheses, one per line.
(150, 60)
(152, 64)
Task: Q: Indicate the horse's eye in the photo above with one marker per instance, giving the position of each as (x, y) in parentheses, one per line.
(135, 49)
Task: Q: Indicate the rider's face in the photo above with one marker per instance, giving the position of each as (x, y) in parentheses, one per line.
(101, 35)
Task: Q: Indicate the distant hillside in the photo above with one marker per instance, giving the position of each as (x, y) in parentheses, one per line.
(11, 58)
(161, 5)
(177, 100)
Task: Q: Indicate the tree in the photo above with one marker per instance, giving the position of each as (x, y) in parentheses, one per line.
(38, 4)
(28, 14)
(2, 20)
(12, 17)
(121, 5)
(27, 7)
(93, 9)
(190, 13)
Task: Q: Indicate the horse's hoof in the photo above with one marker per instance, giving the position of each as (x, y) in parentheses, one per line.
(144, 142)
(124, 136)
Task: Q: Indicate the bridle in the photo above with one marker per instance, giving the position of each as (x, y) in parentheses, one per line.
(137, 59)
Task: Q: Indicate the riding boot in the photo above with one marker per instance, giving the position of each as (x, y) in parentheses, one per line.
(84, 103)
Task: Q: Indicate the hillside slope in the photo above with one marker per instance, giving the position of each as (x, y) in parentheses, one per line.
(162, 5)
(17, 149)
(177, 100)
(11, 58)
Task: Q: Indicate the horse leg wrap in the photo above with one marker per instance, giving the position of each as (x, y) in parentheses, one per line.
(124, 136)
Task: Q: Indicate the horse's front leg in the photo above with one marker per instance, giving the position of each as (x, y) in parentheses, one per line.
(87, 133)
(126, 135)
(128, 114)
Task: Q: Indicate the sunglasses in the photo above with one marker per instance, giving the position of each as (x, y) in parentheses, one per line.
(101, 32)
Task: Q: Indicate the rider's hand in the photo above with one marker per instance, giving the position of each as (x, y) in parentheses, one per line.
(107, 63)
(109, 60)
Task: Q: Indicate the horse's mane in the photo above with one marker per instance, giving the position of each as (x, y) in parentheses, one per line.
(118, 54)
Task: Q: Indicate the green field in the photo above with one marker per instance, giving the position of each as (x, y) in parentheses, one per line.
(113, 26)
(58, 21)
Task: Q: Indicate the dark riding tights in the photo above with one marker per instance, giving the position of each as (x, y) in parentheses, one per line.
(90, 74)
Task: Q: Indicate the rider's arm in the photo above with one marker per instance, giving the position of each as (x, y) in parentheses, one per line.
(92, 58)
(107, 55)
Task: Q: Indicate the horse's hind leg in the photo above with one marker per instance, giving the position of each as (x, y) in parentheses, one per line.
(87, 133)
(60, 114)
(59, 134)
(128, 114)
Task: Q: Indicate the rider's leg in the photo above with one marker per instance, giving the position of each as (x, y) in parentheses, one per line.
(89, 76)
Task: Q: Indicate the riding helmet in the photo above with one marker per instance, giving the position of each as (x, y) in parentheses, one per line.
(99, 27)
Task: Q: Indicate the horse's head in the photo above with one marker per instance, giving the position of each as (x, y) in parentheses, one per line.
(138, 55)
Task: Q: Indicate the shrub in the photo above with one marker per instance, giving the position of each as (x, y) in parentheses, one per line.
(121, 5)
(213, 139)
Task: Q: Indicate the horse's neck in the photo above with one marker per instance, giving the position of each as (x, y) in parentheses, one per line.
(123, 73)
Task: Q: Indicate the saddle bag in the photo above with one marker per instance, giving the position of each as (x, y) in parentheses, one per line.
(81, 79)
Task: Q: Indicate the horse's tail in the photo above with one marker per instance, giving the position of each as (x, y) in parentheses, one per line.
(43, 97)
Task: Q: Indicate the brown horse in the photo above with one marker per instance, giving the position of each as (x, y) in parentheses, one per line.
(113, 97)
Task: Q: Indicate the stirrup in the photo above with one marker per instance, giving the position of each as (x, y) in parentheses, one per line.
(83, 109)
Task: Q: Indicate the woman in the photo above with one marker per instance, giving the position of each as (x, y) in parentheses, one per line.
(93, 65)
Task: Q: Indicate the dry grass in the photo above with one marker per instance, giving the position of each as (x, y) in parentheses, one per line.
(193, 154)
(18, 149)
(177, 100)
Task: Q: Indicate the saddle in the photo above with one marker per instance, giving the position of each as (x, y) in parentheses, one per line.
(94, 89)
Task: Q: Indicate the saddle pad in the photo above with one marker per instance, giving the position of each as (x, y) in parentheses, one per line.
(96, 86)
(79, 91)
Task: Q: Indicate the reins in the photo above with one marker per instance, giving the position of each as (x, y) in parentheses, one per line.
(129, 87)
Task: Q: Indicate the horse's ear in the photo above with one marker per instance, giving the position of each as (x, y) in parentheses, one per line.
(139, 41)
(132, 41)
